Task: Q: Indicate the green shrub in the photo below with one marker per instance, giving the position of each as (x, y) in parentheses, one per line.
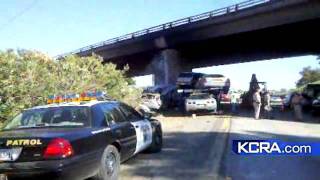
(28, 77)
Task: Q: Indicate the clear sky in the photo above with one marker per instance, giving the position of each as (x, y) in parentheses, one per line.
(55, 27)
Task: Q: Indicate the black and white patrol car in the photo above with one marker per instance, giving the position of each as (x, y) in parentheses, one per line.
(75, 140)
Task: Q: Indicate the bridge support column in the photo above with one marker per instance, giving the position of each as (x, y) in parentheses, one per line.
(165, 67)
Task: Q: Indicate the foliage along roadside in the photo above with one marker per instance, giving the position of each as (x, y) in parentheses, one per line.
(28, 77)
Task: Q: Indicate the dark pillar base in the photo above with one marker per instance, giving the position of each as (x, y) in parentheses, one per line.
(165, 67)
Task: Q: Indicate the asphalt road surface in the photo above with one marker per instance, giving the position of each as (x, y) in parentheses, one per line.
(271, 167)
(200, 148)
(192, 150)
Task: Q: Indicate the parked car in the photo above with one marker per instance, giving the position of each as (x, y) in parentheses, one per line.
(316, 105)
(142, 109)
(152, 101)
(276, 101)
(287, 101)
(214, 81)
(188, 80)
(310, 93)
(168, 95)
(75, 140)
(201, 101)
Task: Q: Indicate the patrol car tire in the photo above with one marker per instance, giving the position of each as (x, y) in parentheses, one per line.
(156, 145)
(104, 171)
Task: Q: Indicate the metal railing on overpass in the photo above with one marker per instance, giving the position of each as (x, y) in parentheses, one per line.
(173, 24)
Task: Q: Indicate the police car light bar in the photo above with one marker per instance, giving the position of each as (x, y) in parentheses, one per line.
(85, 96)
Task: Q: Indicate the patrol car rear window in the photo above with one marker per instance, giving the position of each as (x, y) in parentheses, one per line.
(51, 117)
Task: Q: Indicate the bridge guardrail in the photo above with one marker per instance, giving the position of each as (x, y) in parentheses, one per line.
(173, 24)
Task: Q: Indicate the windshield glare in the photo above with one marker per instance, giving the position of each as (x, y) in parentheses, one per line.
(53, 116)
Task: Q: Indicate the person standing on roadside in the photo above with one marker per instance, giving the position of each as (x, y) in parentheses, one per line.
(267, 106)
(296, 103)
(219, 105)
(256, 103)
(234, 101)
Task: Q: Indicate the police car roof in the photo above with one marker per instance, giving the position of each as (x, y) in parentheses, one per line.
(80, 104)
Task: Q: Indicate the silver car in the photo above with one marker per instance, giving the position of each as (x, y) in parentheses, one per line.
(276, 101)
(201, 101)
(151, 100)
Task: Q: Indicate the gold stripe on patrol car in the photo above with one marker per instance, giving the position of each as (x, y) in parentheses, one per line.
(23, 142)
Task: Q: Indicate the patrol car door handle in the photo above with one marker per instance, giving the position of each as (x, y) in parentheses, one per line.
(118, 131)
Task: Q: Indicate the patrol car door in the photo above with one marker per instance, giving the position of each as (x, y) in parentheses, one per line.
(142, 127)
(122, 131)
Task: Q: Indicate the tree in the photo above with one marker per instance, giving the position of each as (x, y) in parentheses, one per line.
(308, 75)
(27, 78)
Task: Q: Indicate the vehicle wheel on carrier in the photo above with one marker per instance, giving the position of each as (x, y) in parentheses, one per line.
(109, 164)
(156, 145)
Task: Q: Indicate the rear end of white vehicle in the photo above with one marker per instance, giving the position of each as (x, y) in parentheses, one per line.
(152, 101)
(200, 102)
(213, 81)
(276, 101)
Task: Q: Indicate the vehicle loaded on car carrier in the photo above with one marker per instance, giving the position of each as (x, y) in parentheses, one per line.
(75, 137)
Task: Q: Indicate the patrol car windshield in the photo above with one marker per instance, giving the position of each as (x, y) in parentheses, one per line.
(50, 117)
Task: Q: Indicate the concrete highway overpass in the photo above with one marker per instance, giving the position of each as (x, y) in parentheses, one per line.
(250, 31)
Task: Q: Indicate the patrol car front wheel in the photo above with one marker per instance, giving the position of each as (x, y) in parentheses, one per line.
(109, 165)
(156, 145)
